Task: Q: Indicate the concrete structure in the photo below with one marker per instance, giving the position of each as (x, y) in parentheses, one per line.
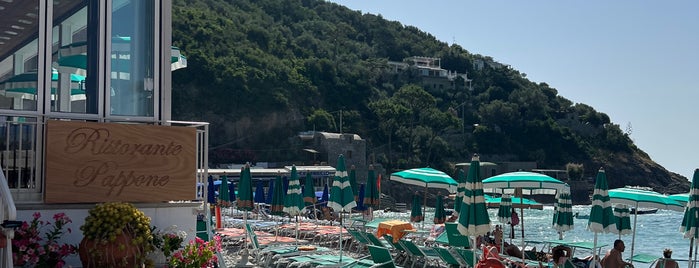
(326, 147)
(84, 60)
(430, 70)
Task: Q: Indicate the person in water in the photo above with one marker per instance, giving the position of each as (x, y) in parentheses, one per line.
(613, 257)
(666, 261)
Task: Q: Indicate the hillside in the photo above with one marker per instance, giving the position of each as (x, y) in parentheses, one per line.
(261, 71)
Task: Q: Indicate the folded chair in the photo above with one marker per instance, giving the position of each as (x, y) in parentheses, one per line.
(359, 240)
(381, 257)
(376, 241)
(448, 257)
(465, 255)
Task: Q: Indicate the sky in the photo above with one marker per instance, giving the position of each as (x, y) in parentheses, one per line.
(634, 60)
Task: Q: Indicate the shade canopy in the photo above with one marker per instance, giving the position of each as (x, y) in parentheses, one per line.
(277, 205)
(416, 209)
(440, 215)
(425, 177)
(461, 187)
(601, 215)
(75, 55)
(224, 198)
(244, 200)
(530, 183)
(563, 212)
(293, 201)
(341, 194)
(260, 193)
(622, 214)
(473, 217)
(309, 197)
(371, 193)
(680, 198)
(639, 198)
(505, 209)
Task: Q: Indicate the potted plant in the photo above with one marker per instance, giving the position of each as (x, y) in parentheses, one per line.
(115, 234)
(166, 242)
(36, 243)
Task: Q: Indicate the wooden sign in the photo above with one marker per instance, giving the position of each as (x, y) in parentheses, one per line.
(89, 162)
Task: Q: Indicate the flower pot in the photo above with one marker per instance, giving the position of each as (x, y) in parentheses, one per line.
(118, 253)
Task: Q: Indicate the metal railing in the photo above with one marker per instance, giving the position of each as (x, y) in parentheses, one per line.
(8, 212)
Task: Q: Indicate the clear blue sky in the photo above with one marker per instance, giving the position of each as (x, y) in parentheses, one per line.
(635, 60)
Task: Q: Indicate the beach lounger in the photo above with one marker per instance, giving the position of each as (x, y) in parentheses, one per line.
(455, 238)
(401, 252)
(419, 252)
(381, 257)
(359, 241)
(376, 241)
(466, 256)
(448, 257)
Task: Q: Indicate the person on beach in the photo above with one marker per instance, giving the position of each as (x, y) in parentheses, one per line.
(561, 254)
(497, 236)
(666, 261)
(613, 257)
(514, 220)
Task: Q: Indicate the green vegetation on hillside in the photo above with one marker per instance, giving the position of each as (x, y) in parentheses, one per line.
(261, 71)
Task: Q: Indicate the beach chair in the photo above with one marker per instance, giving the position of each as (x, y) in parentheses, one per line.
(465, 255)
(419, 252)
(381, 257)
(448, 257)
(360, 240)
(376, 241)
(455, 238)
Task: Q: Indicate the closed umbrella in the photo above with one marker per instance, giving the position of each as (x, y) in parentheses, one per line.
(325, 196)
(353, 182)
(260, 193)
(623, 220)
(360, 201)
(601, 215)
(309, 194)
(341, 196)
(415, 209)
(211, 191)
(505, 212)
(690, 220)
(461, 187)
(293, 204)
(277, 205)
(270, 191)
(440, 216)
(224, 198)
(245, 202)
(563, 213)
(638, 198)
(231, 191)
(371, 193)
(473, 217)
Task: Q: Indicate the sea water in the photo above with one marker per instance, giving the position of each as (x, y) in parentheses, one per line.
(654, 232)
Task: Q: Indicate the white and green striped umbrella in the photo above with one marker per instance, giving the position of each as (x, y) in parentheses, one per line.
(425, 177)
(601, 215)
(341, 195)
(680, 198)
(531, 183)
(461, 187)
(690, 221)
(563, 213)
(638, 198)
(505, 209)
(293, 202)
(473, 217)
(623, 220)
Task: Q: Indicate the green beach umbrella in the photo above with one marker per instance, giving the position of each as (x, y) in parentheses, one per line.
(224, 198)
(293, 202)
(425, 177)
(505, 209)
(309, 191)
(601, 215)
(440, 216)
(473, 217)
(277, 206)
(639, 198)
(623, 220)
(563, 213)
(680, 198)
(244, 201)
(371, 193)
(416, 209)
(353, 182)
(461, 187)
(690, 220)
(341, 196)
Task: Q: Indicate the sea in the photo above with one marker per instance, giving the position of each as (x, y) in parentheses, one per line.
(654, 232)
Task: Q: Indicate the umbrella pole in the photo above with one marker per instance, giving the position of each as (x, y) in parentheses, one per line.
(340, 236)
(633, 238)
(594, 252)
(424, 206)
(691, 245)
(297, 230)
(521, 220)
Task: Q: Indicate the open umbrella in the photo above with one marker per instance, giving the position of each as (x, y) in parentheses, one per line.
(473, 217)
(680, 198)
(371, 193)
(293, 204)
(638, 198)
(461, 187)
(309, 194)
(601, 215)
(623, 220)
(415, 209)
(341, 196)
(425, 177)
(690, 220)
(277, 204)
(440, 216)
(563, 213)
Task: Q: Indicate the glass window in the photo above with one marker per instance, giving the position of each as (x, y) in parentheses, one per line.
(69, 58)
(19, 55)
(132, 59)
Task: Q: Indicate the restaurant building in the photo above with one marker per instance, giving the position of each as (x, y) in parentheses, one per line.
(85, 114)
